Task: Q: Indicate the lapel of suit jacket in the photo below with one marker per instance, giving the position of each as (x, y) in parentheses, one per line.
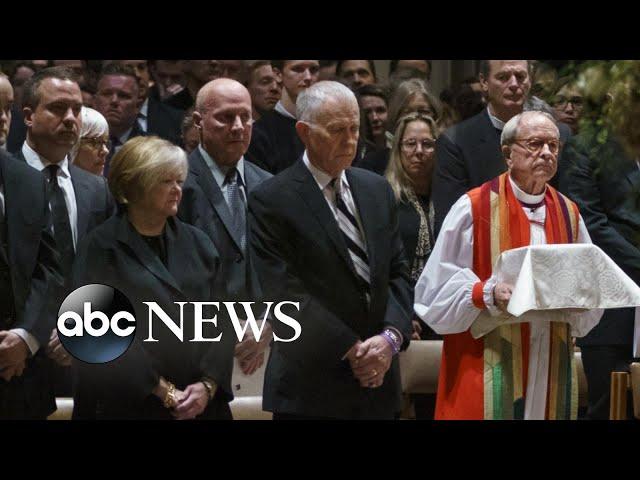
(367, 206)
(308, 189)
(128, 236)
(83, 199)
(20, 156)
(151, 116)
(251, 178)
(212, 191)
(489, 145)
(177, 248)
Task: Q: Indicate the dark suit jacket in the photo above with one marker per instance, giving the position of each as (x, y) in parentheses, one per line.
(93, 198)
(275, 144)
(35, 280)
(164, 121)
(375, 161)
(17, 131)
(467, 155)
(605, 184)
(203, 205)
(115, 254)
(301, 256)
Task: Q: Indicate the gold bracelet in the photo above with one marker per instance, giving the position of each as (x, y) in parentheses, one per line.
(210, 386)
(170, 397)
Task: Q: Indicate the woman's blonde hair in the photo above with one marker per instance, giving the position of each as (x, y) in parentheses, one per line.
(141, 164)
(395, 173)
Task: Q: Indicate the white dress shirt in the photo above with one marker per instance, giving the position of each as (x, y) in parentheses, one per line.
(323, 179)
(443, 294)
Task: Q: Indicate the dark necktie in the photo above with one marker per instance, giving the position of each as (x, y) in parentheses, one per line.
(353, 238)
(233, 181)
(61, 224)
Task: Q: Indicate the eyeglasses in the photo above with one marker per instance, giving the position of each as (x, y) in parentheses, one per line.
(535, 145)
(95, 143)
(561, 101)
(411, 145)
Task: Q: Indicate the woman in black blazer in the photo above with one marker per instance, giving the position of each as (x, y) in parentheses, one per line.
(149, 255)
(410, 169)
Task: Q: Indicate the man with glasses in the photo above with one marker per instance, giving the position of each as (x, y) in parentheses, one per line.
(511, 364)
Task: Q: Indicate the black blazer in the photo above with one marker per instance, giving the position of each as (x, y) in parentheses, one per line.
(203, 205)
(115, 254)
(164, 121)
(275, 144)
(605, 184)
(467, 155)
(302, 257)
(35, 280)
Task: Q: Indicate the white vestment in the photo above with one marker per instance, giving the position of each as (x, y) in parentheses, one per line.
(443, 292)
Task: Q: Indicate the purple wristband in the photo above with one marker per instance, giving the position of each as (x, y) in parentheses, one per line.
(392, 340)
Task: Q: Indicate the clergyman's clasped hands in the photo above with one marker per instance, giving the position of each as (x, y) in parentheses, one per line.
(370, 360)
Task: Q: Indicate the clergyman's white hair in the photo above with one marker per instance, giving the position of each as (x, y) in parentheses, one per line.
(311, 100)
(510, 130)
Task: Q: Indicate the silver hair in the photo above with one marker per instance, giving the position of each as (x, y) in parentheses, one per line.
(93, 125)
(510, 130)
(311, 100)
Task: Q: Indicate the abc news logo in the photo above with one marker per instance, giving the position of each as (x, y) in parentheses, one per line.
(97, 323)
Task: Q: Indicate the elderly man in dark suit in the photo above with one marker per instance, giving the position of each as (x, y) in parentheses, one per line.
(215, 195)
(604, 181)
(29, 281)
(468, 154)
(79, 201)
(326, 236)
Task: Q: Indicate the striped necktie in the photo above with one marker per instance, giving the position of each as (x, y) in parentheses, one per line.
(233, 181)
(353, 238)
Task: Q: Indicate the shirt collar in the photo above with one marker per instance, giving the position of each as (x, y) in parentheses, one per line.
(144, 109)
(280, 109)
(495, 121)
(524, 196)
(219, 171)
(322, 178)
(37, 161)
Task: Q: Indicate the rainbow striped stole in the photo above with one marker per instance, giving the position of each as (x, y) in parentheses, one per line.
(500, 224)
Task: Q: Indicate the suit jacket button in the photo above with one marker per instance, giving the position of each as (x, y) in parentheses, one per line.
(238, 258)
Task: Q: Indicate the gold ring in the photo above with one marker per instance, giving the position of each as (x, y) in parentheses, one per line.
(375, 372)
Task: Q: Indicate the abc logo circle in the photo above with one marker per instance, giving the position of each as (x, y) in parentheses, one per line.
(96, 323)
